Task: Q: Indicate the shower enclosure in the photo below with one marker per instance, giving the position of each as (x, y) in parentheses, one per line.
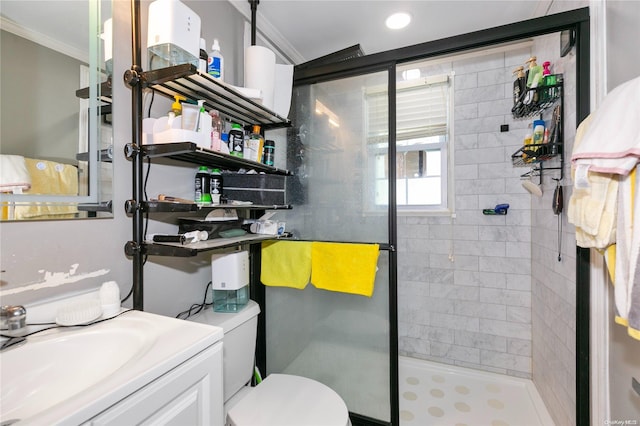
(340, 192)
(343, 170)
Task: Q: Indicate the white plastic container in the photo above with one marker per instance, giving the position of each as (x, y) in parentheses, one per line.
(230, 281)
(173, 34)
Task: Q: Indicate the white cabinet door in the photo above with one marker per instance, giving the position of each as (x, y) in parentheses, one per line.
(188, 395)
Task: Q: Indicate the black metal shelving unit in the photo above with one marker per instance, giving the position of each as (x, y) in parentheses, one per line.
(185, 80)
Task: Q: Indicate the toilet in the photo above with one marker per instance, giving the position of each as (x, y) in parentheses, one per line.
(281, 399)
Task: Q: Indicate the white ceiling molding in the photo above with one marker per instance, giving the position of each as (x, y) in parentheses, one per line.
(270, 34)
(43, 40)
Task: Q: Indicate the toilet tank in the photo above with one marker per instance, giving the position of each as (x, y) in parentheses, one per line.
(238, 343)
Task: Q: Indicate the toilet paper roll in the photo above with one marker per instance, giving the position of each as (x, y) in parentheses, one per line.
(259, 72)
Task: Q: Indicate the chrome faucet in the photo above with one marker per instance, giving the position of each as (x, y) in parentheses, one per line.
(13, 317)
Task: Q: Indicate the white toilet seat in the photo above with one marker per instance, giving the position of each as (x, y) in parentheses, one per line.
(286, 400)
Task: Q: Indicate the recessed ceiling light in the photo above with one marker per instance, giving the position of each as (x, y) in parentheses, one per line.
(398, 20)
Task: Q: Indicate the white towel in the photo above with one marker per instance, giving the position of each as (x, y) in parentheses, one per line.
(612, 142)
(14, 176)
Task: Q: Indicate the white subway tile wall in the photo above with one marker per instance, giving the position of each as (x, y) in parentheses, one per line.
(504, 304)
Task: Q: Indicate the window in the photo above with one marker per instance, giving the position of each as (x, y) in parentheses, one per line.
(423, 137)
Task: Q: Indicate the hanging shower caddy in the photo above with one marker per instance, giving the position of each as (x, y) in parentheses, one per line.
(545, 98)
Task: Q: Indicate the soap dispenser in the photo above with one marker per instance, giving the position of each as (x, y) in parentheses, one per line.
(176, 106)
(534, 74)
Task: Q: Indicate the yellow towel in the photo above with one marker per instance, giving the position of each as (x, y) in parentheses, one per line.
(344, 267)
(286, 264)
(48, 177)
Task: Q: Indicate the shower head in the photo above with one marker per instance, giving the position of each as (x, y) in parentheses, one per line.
(532, 188)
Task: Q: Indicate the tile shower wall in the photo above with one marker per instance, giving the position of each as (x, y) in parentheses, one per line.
(465, 284)
(553, 283)
(488, 292)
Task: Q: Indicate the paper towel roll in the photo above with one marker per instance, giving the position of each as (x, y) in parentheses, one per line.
(259, 72)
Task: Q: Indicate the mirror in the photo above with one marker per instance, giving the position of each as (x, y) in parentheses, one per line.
(55, 126)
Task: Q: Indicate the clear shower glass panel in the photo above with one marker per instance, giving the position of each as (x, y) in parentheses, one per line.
(339, 192)
(339, 183)
(341, 340)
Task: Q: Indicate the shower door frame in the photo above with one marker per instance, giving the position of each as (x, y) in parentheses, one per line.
(259, 291)
(577, 20)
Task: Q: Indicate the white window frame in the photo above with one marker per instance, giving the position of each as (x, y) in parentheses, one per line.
(444, 143)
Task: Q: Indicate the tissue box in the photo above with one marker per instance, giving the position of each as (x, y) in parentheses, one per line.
(261, 189)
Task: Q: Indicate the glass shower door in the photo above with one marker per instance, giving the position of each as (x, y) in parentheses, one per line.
(340, 193)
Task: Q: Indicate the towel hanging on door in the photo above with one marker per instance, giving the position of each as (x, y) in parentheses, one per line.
(344, 267)
(286, 264)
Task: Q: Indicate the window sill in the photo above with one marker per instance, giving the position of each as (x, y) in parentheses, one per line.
(423, 212)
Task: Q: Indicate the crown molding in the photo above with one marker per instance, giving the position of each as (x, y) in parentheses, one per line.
(269, 32)
(43, 40)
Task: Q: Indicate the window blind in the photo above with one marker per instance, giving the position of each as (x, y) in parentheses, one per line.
(421, 110)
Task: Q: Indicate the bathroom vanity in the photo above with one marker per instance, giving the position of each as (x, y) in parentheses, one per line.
(136, 368)
(183, 395)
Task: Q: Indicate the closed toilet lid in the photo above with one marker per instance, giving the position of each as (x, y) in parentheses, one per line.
(285, 400)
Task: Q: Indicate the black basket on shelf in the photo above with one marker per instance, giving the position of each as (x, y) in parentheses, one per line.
(535, 153)
(534, 101)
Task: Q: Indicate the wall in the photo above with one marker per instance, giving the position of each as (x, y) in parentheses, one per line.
(506, 304)
(474, 311)
(63, 256)
(50, 130)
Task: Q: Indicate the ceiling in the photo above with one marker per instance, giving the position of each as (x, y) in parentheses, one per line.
(308, 29)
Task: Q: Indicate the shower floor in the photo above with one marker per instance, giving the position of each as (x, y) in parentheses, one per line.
(438, 394)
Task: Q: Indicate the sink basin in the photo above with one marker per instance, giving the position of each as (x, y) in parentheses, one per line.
(66, 374)
(50, 361)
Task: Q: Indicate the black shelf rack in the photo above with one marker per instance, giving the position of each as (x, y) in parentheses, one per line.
(532, 154)
(156, 206)
(189, 152)
(193, 249)
(542, 98)
(186, 80)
